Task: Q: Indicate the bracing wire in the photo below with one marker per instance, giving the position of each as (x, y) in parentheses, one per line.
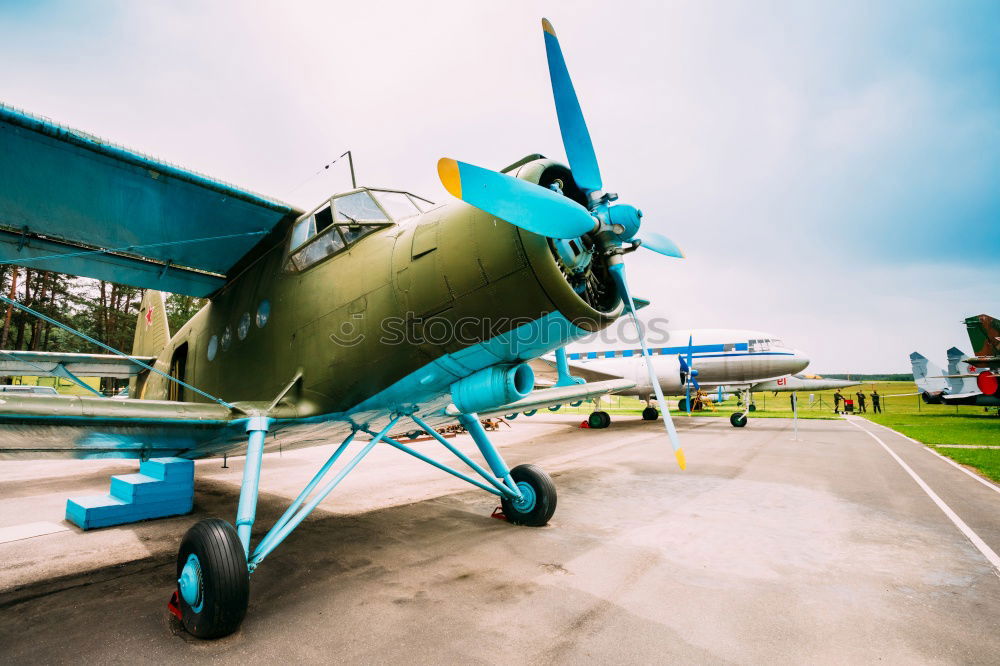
(81, 334)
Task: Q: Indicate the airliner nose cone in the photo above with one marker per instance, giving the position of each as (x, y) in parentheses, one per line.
(799, 360)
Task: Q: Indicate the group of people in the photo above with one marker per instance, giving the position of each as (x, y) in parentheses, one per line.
(838, 398)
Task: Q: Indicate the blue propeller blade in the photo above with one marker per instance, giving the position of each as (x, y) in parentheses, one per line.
(660, 243)
(572, 126)
(618, 271)
(523, 204)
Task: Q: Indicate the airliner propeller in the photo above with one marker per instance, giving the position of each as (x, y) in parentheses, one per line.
(550, 213)
(688, 374)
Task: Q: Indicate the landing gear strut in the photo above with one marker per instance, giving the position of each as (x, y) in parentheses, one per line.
(215, 560)
(739, 419)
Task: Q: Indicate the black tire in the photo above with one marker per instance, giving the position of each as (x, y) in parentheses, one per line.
(544, 490)
(599, 420)
(738, 419)
(682, 405)
(224, 581)
(650, 414)
(530, 412)
(511, 417)
(753, 407)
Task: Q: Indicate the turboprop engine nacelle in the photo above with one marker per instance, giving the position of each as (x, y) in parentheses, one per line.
(668, 371)
(493, 386)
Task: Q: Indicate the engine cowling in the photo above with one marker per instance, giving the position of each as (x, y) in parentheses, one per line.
(492, 387)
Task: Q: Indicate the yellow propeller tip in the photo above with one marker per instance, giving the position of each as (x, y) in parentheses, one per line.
(547, 27)
(450, 177)
(681, 462)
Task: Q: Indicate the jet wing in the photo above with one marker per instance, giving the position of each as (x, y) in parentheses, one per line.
(74, 203)
(959, 396)
(983, 361)
(559, 395)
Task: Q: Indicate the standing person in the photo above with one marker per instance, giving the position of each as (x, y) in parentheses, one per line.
(837, 398)
(861, 402)
(876, 405)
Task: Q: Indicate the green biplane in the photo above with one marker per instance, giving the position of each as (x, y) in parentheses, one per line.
(374, 314)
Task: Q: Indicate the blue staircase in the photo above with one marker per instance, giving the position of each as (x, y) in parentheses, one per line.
(163, 487)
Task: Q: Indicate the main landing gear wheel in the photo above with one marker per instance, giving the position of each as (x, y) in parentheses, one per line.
(650, 414)
(213, 583)
(681, 405)
(538, 497)
(752, 407)
(738, 420)
(599, 420)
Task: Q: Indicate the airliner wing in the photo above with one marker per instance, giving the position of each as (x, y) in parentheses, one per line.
(545, 370)
(559, 395)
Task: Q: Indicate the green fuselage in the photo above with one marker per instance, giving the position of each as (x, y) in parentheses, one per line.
(359, 321)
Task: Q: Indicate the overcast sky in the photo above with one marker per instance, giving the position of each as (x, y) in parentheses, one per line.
(831, 169)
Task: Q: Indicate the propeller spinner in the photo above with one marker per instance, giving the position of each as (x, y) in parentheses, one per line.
(548, 212)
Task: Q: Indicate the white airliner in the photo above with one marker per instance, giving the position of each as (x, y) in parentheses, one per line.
(689, 360)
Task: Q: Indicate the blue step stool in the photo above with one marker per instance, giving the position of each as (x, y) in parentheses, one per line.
(163, 487)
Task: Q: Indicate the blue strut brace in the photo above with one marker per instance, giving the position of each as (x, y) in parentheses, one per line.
(246, 512)
(471, 423)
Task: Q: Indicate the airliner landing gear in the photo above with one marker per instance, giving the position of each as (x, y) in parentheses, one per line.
(739, 419)
(599, 419)
(650, 414)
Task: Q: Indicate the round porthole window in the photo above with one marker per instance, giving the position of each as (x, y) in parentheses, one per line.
(263, 313)
(244, 326)
(227, 338)
(213, 347)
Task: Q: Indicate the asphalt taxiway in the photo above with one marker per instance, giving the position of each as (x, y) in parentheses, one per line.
(850, 544)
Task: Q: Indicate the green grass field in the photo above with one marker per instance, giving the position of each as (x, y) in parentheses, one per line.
(902, 410)
(934, 425)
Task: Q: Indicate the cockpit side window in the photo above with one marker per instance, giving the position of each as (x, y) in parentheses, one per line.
(345, 220)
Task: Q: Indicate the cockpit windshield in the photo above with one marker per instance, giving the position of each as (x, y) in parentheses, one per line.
(346, 219)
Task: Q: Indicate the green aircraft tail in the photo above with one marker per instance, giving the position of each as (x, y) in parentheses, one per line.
(152, 332)
(984, 334)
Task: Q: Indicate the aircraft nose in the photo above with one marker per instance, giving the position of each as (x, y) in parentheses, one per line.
(799, 361)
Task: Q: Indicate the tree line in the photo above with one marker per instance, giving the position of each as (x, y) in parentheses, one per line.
(105, 311)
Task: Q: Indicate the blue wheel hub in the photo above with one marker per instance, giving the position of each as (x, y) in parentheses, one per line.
(528, 498)
(190, 583)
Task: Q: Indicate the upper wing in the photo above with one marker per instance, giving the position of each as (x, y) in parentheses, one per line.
(556, 396)
(73, 203)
